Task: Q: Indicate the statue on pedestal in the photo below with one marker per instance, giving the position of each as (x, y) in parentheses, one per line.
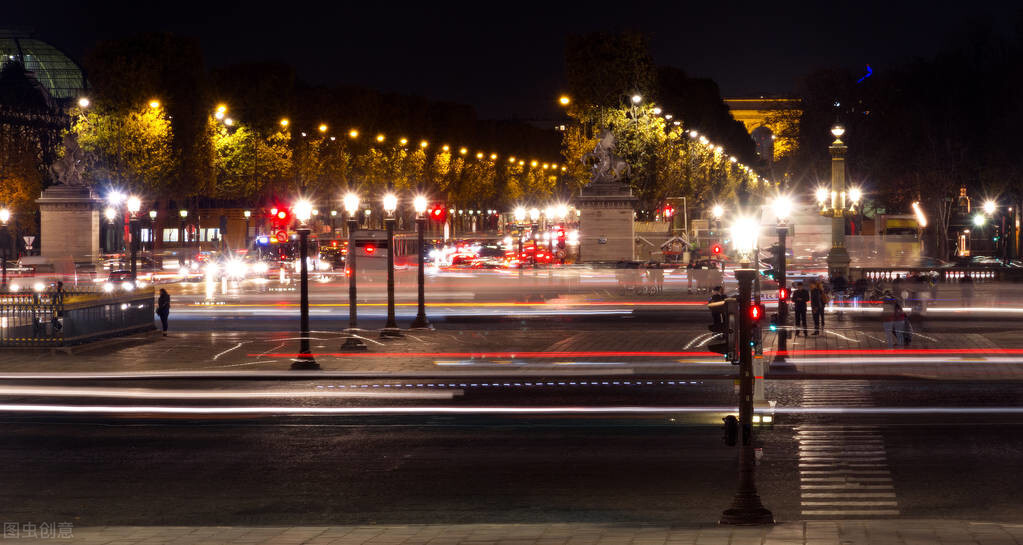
(608, 168)
(68, 169)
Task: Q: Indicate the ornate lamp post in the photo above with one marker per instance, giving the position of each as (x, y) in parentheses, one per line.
(837, 205)
(520, 218)
(352, 341)
(152, 232)
(419, 203)
(534, 218)
(746, 507)
(782, 211)
(134, 204)
(248, 216)
(303, 211)
(184, 215)
(391, 327)
(5, 217)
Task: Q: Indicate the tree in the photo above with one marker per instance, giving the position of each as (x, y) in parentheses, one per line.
(132, 148)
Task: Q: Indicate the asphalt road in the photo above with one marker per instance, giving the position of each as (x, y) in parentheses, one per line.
(839, 449)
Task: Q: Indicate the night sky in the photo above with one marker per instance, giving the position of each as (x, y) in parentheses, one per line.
(506, 59)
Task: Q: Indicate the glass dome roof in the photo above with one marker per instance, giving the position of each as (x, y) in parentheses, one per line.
(61, 76)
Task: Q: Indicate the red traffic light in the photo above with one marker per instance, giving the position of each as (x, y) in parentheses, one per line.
(783, 294)
(370, 249)
(715, 249)
(281, 214)
(755, 313)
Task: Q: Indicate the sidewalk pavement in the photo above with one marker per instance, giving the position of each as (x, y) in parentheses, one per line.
(901, 532)
(844, 351)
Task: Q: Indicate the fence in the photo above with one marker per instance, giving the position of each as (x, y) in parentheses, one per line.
(72, 317)
(950, 274)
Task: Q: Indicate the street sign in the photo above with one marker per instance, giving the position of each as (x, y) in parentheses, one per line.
(29, 239)
(282, 236)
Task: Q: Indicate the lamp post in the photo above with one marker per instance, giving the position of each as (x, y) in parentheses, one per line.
(782, 211)
(152, 232)
(305, 361)
(134, 204)
(5, 217)
(184, 215)
(534, 217)
(840, 204)
(390, 329)
(520, 218)
(352, 341)
(110, 214)
(421, 322)
(248, 216)
(746, 506)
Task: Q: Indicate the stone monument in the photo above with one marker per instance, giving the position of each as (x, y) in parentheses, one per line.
(606, 207)
(69, 211)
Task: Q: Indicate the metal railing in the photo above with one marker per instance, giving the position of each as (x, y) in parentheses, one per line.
(47, 319)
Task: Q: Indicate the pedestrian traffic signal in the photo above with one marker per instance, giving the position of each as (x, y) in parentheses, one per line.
(783, 295)
(715, 249)
(756, 312)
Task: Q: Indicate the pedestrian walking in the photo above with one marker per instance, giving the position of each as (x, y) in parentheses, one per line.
(718, 294)
(817, 301)
(163, 309)
(800, 298)
(892, 317)
(657, 277)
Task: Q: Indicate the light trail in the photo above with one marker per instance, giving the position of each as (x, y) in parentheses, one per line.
(450, 410)
(218, 394)
(503, 304)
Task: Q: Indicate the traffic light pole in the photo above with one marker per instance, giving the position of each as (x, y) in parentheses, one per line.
(783, 302)
(305, 360)
(390, 329)
(746, 507)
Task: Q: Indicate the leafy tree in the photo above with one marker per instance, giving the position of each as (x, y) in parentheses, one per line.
(133, 149)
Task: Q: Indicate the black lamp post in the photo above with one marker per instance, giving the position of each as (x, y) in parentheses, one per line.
(390, 329)
(134, 204)
(183, 213)
(782, 210)
(152, 233)
(305, 360)
(352, 341)
(248, 216)
(746, 507)
(421, 322)
(5, 217)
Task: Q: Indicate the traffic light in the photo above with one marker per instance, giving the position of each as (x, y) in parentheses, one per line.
(669, 211)
(777, 262)
(438, 212)
(756, 312)
(716, 250)
(725, 324)
(783, 295)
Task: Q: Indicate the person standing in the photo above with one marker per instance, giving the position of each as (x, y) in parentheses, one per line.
(799, 299)
(817, 300)
(657, 276)
(163, 309)
(891, 316)
(717, 295)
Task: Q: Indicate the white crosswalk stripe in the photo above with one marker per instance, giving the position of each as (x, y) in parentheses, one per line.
(843, 470)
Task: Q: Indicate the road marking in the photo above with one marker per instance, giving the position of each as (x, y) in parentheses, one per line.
(843, 467)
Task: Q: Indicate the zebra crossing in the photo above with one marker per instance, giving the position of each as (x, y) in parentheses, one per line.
(843, 470)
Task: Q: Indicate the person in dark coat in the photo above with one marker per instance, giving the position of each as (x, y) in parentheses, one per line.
(163, 309)
(800, 297)
(718, 294)
(817, 300)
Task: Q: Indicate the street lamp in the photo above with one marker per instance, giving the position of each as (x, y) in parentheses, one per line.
(184, 215)
(746, 506)
(352, 341)
(303, 211)
(989, 207)
(5, 217)
(419, 204)
(248, 214)
(520, 218)
(134, 204)
(782, 211)
(837, 204)
(390, 329)
(152, 231)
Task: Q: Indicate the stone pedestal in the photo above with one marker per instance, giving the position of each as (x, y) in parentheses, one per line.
(69, 218)
(606, 223)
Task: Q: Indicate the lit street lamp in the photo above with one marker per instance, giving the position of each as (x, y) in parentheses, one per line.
(248, 216)
(746, 506)
(352, 341)
(391, 327)
(152, 231)
(421, 322)
(5, 240)
(782, 211)
(134, 204)
(837, 204)
(184, 215)
(303, 211)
